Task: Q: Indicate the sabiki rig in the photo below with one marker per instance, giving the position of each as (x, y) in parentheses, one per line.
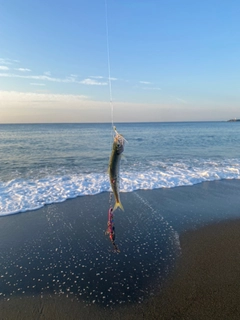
(111, 230)
(114, 167)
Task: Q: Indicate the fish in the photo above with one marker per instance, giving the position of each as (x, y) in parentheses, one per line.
(114, 168)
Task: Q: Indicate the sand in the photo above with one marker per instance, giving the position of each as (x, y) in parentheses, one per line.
(182, 246)
(206, 282)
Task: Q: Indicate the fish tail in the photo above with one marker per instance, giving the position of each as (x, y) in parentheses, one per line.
(118, 205)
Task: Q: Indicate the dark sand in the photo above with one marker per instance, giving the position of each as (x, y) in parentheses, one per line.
(42, 257)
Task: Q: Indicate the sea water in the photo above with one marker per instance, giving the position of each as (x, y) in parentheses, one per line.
(65, 252)
(49, 163)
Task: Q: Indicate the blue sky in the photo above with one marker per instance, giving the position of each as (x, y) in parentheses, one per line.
(170, 60)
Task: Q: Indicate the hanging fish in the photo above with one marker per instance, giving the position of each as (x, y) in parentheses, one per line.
(114, 167)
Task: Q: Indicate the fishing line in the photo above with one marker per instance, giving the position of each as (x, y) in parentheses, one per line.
(109, 84)
(162, 220)
(110, 229)
(109, 65)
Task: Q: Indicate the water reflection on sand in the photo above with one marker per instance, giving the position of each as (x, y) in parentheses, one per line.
(67, 253)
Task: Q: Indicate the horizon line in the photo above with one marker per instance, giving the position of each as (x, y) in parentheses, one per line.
(109, 122)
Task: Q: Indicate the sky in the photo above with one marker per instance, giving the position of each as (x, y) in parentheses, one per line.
(156, 60)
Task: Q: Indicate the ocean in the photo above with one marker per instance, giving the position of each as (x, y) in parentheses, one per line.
(50, 163)
(62, 249)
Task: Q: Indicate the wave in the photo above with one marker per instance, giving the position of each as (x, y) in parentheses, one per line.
(20, 195)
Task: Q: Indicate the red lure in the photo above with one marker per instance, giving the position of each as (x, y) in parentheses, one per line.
(111, 229)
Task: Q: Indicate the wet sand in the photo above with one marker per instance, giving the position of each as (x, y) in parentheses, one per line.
(204, 283)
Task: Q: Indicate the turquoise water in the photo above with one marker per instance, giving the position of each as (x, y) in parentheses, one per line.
(49, 163)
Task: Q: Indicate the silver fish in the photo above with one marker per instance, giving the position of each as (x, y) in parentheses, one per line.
(114, 167)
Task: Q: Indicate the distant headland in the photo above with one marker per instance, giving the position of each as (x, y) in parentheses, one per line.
(233, 120)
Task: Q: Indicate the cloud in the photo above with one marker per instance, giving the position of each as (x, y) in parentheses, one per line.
(39, 77)
(8, 61)
(28, 107)
(37, 84)
(152, 88)
(23, 69)
(4, 68)
(92, 82)
(144, 82)
(100, 77)
(15, 96)
(44, 77)
(96, 77)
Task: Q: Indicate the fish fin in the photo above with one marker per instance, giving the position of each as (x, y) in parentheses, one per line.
(118, 205)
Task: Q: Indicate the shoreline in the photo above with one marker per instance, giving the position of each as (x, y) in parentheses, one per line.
(203, 284)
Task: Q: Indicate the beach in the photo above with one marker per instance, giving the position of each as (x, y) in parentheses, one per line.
(179, 257)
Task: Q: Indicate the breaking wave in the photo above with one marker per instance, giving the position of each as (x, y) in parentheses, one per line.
(20, 195)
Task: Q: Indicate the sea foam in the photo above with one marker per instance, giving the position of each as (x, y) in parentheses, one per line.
(20, 195)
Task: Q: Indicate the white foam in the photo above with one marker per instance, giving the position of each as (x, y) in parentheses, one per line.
(21, 195)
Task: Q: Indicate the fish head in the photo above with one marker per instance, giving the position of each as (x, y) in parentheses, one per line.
(118, 143)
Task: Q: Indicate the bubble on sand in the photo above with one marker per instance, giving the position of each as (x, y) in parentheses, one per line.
(72, 256)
